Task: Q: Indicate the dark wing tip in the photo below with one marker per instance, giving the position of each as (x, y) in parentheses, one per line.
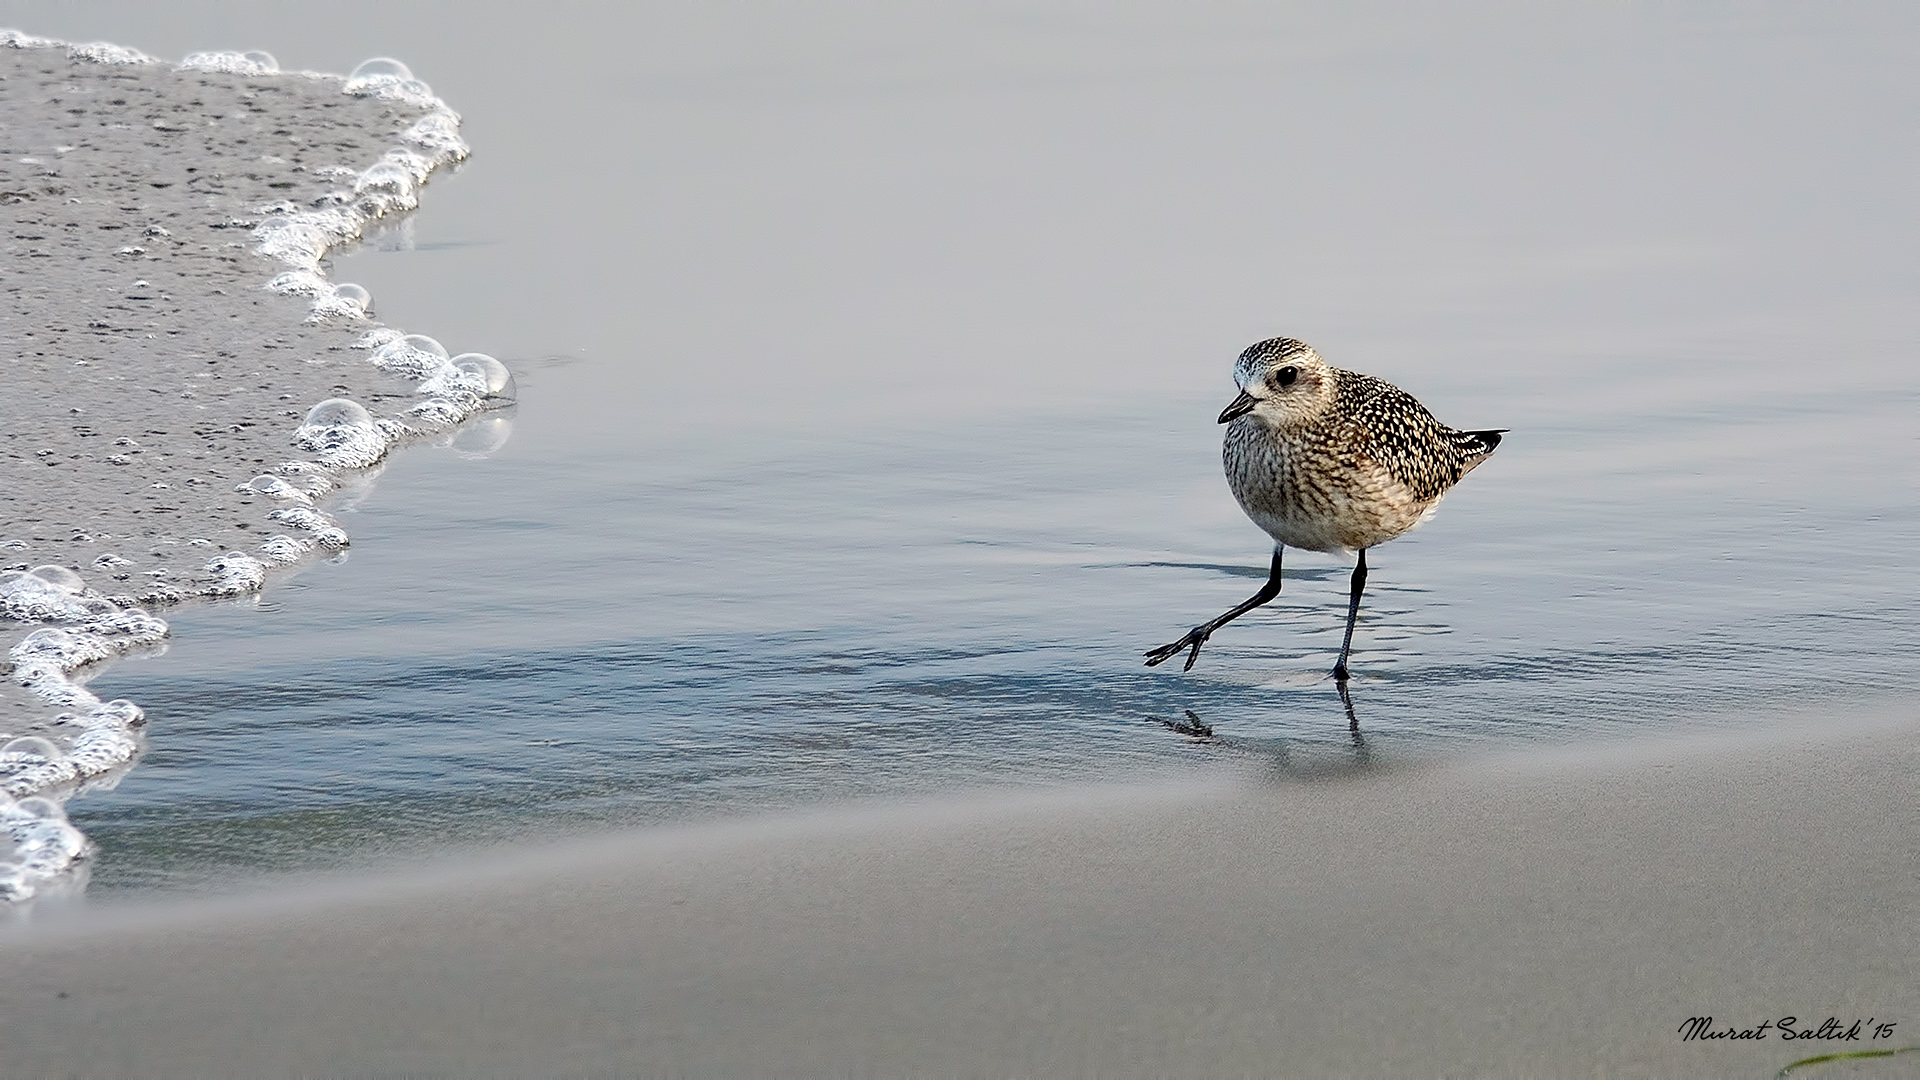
(1487, 439)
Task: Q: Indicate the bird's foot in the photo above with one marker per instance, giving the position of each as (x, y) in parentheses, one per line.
(1192, 726)
(1340, 673)
(1195, 638)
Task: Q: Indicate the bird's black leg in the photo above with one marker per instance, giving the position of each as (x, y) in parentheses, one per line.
(1353, 612)
(1197, 636)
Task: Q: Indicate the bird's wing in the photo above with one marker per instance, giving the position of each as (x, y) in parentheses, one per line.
(1392, 430)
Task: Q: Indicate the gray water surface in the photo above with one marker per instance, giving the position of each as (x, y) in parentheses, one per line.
(868, 369)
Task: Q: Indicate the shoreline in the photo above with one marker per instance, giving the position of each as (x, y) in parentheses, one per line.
(186, 386)
(1520, 914)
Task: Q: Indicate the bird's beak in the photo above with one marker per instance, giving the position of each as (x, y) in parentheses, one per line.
(1241, 406)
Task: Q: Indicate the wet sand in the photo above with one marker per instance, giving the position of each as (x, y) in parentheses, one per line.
(1561, 913)
(1553, 914)
(158, 352)
(149, 370)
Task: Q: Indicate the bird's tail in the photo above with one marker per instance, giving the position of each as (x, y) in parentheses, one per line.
(1475, 446)
(1479, 442)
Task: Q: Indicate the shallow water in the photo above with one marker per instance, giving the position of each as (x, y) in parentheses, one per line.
(868, 370)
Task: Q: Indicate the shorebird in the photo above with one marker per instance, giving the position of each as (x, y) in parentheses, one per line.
(1329, 460)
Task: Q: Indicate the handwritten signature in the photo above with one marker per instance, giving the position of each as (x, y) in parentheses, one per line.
(1788, 1028)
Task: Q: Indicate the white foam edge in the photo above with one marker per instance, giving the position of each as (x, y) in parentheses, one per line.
(88, 745)
(42, 849)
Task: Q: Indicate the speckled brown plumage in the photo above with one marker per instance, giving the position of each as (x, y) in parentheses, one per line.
(1329, 460)
(1360, 464)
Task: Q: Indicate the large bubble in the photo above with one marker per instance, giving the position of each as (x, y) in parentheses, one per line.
(236, 574)
(472, 373)
(339, 412)
(341, 302)
(437, 133)
(386, 178)
(380, 67)
(29, 746)
(387, 78)
(48, 641)
(496, 381)
(283, 549)
(414, 356)
(41, 594)
(342, 434)
(274, 487)
(358, 296)
(59, 577)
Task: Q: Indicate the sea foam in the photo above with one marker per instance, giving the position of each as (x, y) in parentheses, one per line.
(88, 743)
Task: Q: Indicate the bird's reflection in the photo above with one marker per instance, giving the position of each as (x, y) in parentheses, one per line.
(1289, 759)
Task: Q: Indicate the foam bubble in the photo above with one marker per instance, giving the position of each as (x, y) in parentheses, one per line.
(40, 809)
(341, 302)
(59, 577)
(325, 532)
(101, 52)
(386, 187)
(443, 411)
(45, 845)
(42, 659)
(275, 488)
(119, 711)
(14, 39)
(413, 356)
(95, 607)
(298, 283)
(377, 337)
(497, 380)
(437, 133)
(28, 746)
(311, 478)
(331, 306)
(389, 79)
(43, 594)
(253, 62)
(472, 373)
(36, 842)
(283, 549)
(342, 434)
(380, 67)
(236, 574)
(303, 239)
(415, 166)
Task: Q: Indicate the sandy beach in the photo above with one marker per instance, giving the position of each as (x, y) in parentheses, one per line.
(154, 371)
(1559, 914)
(872, 364)
(168, 329)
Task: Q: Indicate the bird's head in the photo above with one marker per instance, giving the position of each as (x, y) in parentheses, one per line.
(1282, 382)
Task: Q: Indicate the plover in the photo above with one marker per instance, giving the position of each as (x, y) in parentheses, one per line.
(1329, 460)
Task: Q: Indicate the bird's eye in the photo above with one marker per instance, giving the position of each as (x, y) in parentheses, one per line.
(1285, 376)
